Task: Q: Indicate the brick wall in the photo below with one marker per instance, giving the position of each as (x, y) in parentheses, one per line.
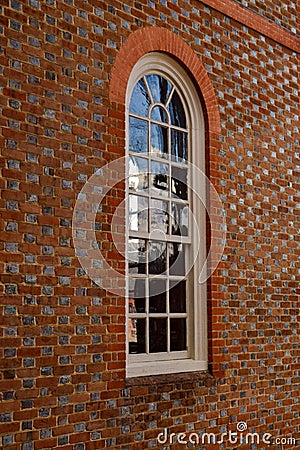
(62, 337)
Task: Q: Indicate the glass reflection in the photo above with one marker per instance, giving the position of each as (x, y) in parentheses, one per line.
(159, 140)
(159, 215)
(179, 146)
(177, 296)
(176, 259)
(159, 114)
(138, 213)
(159, 178)
(140, 100)
(158, 335)
(157, 296)
(137, 295)
(179, 183)
(176, 111)
(137, 335)
(138, 136)
(160, 88)
(136, 255)
(178, 334)
(180, 219)
(138, 174)
(157, 257)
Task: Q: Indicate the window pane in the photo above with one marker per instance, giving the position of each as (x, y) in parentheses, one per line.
(157, 296)
(136, 255)
(137, 335)
(177, 296)
(138, 213)
(180, 219)
(140, 100)
(176, 111)
(138, 135)
(159, 140)
(178, 334)
(179, 146)
(157, 335)
(177, 259)
(159, 114)
(160, 88)
(159, 215)
(179, 183)
(138, 174)
(157, 257)
(159, 179)
(137, 295)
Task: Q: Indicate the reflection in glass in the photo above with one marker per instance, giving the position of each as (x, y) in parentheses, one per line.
(179, 146)
(177, 259)
(138, 136)
(159, 140)
(180, 219)
(159, 114)
(140, 100)
(159, 178)
(158, 335)
(138, 174)
(157, 257)
(179, 183)
(177, 296)
(176, 111)
(157, 296)
(159, 215)
(160, 88)
(178, 334)
(137, 335)
(137, 295)
(136, 254)
(138, 213)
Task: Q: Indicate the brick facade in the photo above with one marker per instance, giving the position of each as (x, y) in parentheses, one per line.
(64, 67)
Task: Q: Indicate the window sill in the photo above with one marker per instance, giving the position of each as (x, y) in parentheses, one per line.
(165, 368)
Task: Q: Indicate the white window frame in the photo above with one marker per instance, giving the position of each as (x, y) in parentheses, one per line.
(164, 65)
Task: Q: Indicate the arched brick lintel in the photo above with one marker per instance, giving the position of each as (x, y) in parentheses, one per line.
(151, 39)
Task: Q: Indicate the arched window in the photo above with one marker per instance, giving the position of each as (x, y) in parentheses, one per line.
(166, 245)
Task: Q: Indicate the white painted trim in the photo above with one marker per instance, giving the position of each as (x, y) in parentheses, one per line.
(165, 367)
(197, 352)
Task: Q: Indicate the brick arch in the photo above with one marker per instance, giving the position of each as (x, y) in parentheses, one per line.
(146, 40)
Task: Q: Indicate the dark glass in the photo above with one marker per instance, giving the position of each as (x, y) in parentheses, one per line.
(157, 257)
(159, 114)
(138, 135)
(159, 140)
(177, 335)
(158, 335)
(159, 179)
(179, 149)
(137, 174)
(138, 213)
(137, 335)
(179, 183)
(140, 100)
(137, 295)
(176, 111)
(177, 296)
(157, 296)
(177, 259)
(160, 88)
(159, 215)
(136, 255)
(180, 219)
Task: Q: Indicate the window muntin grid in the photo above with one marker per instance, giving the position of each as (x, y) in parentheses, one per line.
(158, 212)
